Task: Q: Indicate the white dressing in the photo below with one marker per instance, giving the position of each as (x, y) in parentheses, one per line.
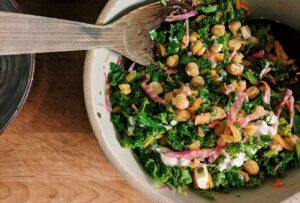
(228, 162)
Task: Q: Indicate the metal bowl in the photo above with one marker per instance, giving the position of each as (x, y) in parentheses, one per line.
(16, 74)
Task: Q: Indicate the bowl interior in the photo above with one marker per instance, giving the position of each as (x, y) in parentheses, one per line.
(16, 74)
(97, 65)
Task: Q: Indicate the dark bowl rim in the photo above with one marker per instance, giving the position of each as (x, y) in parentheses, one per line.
(28, 86)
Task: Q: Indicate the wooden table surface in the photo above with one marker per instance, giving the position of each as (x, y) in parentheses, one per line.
(50, 153)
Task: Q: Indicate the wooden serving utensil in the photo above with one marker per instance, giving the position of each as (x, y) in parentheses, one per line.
(20, 34)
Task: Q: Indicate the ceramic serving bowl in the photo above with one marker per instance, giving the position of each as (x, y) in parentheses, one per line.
(16, 73)
(97, 64)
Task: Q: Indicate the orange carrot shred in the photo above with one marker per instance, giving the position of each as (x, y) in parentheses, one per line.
(238, 4)
(162, 49)
(278, 183)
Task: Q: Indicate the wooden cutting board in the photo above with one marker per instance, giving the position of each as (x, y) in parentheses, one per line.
(50, 153)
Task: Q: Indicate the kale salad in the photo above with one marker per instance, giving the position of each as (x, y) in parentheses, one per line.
(214, 112)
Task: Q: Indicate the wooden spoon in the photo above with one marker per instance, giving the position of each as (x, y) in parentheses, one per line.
(23, 34)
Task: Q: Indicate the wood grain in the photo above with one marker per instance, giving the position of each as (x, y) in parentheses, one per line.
(50, 154)
(128, 35)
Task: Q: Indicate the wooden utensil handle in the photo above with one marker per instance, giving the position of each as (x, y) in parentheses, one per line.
(20, 34)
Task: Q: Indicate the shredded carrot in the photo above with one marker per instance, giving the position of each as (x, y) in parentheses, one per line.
(238, 4)
(236, 133)
(280, 51)
(210, 181)
(247, 63)
(290, 142)
(195, 106)
(227, 130)
(213, 73)
(288, 62)
(116, 109)
(272, 58)
(200, 132)
(151, 139)
(162, 49)
(228, 138)
(194, 146)
(277, 138)
(278, 183)
(246, 7)
(218, 57)
(184, 41)
(214, 124)
(194, 165)
(277, 167)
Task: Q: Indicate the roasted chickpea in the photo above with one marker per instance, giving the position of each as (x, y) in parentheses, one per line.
(241, 86)
(198, 81)
(240, 115)
(194, 37)
(182, 115)
(251, 167)
(238, 58)
(249, 130)
(252, 92)
(198, 48)
(173, 61)
(181, 102)
(234, 44)
(234, 27)
(125, 88)
(169, 96)
(259, 110)
(200, 18)
(192, 69)
(218, 30)
(156, 88)
(235, 69)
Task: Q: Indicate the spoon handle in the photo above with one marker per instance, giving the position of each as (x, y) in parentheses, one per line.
(20, 34)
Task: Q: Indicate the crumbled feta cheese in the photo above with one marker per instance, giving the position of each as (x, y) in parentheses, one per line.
(131, 121)
(228, 162)
(202, 178)
(173, 122)
(268, 127)
(246, 31)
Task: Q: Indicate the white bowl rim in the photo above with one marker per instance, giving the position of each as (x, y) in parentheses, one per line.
(148, 193)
